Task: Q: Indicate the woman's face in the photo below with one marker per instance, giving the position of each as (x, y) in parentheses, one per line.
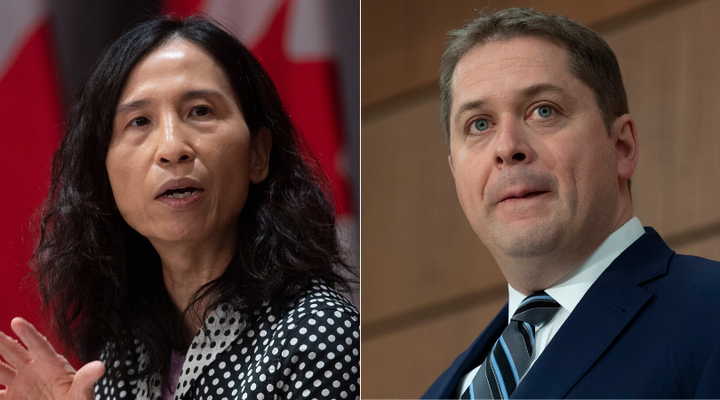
(181, 156)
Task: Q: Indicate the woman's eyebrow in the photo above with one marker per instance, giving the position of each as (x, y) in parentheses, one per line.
(195, 93)
(187, 95)
(131, 105)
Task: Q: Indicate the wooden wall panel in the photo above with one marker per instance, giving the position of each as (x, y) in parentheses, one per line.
(707, 248)
(670, 66)
(417, 247)
(403, 40)
(404, 364)
(418, 251)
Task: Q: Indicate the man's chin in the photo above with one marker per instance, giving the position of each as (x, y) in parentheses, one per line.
(527, 240)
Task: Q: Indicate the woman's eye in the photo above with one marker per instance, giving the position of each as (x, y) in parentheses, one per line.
(481, 125)
(544, 111)
(139, 121)
(200, 111)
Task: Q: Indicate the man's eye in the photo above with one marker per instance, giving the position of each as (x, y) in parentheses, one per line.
(139, 121)
(544, 111)
(200, 111)
(481, 125)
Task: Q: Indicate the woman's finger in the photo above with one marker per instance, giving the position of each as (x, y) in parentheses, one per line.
(12, 351)
(7, 373)
(84, 381)
(34, 340)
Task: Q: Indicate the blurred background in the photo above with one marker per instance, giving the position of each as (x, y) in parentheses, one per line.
(47, 48)
(429, 286)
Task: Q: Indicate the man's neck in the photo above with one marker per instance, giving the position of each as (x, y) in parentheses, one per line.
(569, 290)
(532, 274)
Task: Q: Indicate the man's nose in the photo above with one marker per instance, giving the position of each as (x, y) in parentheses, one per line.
(173, 142)
(511, 143)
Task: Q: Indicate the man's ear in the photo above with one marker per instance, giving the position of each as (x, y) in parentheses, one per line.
(452, 167)
(626, 143)
(260, 155)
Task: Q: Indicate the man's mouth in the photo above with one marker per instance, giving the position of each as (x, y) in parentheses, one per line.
(527, 195)
(531, 194)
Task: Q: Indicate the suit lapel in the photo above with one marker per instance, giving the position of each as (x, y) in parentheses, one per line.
(446, 386)
(605, 311)
(599, 318)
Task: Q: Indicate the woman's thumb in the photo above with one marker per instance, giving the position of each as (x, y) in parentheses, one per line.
(84, 382)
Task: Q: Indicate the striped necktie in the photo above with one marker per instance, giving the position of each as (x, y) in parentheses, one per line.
(509, 358)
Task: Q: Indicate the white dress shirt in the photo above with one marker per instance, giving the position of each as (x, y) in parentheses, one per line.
(569, 290)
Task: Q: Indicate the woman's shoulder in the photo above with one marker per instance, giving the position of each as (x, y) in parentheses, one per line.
(316, 347)
(319, 299)
(320, 309)
(310, 348)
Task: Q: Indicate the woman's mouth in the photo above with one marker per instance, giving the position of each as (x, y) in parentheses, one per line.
(180, 193)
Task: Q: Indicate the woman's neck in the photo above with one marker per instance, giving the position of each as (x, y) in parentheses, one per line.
(188, 266)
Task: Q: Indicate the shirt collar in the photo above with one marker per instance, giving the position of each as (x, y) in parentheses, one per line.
(222, 327)
(569, 290)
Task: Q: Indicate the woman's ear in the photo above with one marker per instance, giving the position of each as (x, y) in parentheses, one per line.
(260, 155)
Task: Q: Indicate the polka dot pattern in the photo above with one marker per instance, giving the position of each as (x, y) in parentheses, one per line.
(312, 351)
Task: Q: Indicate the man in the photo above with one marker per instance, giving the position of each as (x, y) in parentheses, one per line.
(542, 149)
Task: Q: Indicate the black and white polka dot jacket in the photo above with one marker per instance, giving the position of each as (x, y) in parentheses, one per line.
(310, 352)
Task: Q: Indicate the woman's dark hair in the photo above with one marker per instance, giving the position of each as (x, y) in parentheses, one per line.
(101, 281)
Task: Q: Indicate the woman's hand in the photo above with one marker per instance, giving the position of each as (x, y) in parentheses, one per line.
(38, 372)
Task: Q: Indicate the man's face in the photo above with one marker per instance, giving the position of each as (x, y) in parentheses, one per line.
(534, 168)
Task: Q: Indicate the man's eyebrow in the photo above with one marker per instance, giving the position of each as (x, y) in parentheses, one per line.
(188, 95)
(469, 106)
(540, 88)
(528, 92)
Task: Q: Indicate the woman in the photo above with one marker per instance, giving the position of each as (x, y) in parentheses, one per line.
(186, 241)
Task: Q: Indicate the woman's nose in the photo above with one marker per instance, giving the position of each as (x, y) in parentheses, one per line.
(173, 142)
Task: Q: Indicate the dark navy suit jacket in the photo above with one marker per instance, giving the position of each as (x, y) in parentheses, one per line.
(649, 327)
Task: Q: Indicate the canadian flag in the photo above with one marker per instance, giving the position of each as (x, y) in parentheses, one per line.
(29, 134)
(293, 41)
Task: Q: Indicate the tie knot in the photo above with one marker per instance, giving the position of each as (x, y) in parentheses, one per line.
(536, 309)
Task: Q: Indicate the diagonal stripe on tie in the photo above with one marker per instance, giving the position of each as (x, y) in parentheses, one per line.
(534, 298)
(491, 379)
(479, 390)
(517, 354)
(531, 331)
(536, 304)
(525, 333)
(504, 368)
(509, 358)
(499, 376)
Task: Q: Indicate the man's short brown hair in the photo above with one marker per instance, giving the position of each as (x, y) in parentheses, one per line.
(590, 59)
